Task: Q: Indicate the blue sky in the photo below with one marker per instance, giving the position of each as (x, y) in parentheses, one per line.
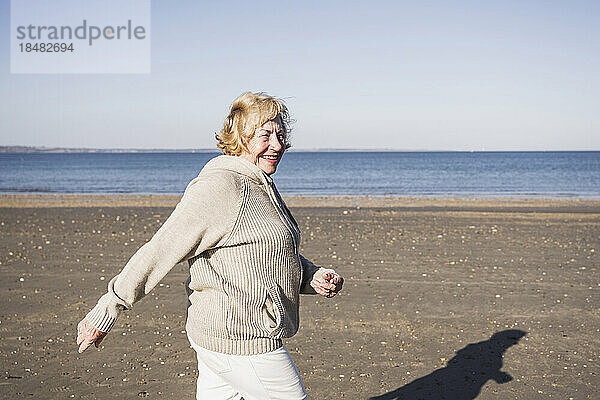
(434, 75)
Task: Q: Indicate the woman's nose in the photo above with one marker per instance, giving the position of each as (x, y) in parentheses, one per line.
(275, 143)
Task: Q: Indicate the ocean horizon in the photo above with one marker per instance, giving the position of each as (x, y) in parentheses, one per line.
(49, 150)
(317, 173)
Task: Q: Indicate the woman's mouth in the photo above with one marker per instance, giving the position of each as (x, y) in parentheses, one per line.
(271, 159)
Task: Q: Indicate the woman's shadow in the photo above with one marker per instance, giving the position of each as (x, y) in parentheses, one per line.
(465, 374)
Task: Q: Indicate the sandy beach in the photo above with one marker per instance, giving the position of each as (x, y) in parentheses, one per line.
(444, 299)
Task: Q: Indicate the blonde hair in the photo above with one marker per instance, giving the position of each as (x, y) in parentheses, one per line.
(247, 113)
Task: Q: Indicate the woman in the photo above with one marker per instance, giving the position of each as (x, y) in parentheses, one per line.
(246, 273)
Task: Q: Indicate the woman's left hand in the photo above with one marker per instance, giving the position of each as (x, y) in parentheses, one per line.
(327, 282)
(88, 335)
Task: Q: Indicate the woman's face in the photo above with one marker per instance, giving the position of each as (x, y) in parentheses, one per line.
(267, 146)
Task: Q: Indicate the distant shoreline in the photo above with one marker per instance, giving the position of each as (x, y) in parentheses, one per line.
(65, 150)
(81, 150)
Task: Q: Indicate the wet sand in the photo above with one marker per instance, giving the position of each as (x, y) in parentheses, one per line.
(444, 299)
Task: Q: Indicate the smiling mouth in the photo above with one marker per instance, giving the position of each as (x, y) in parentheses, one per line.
(270, 158)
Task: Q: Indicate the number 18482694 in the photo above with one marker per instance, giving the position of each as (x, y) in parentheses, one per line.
(46, 47)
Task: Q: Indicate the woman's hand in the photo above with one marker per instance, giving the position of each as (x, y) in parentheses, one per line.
(327, 282)
(87, 334)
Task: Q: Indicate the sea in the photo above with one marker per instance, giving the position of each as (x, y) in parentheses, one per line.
(412, 174)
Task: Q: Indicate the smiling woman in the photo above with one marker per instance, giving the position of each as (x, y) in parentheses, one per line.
(247, 113)
(246, 272)
(266, 146)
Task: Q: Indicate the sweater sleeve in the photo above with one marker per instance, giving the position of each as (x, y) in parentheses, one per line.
(203, 219)
(309, 270)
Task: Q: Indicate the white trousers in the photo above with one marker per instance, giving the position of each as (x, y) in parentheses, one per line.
(268, 376)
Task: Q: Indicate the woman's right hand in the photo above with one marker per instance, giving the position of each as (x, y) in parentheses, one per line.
(327, 282)
(88, 335)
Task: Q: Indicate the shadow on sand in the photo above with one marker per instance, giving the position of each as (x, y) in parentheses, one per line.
(464, 375)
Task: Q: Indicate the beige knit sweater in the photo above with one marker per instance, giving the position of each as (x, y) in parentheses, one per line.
(246, 273)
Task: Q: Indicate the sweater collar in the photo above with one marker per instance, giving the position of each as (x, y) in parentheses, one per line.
(238, 165)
